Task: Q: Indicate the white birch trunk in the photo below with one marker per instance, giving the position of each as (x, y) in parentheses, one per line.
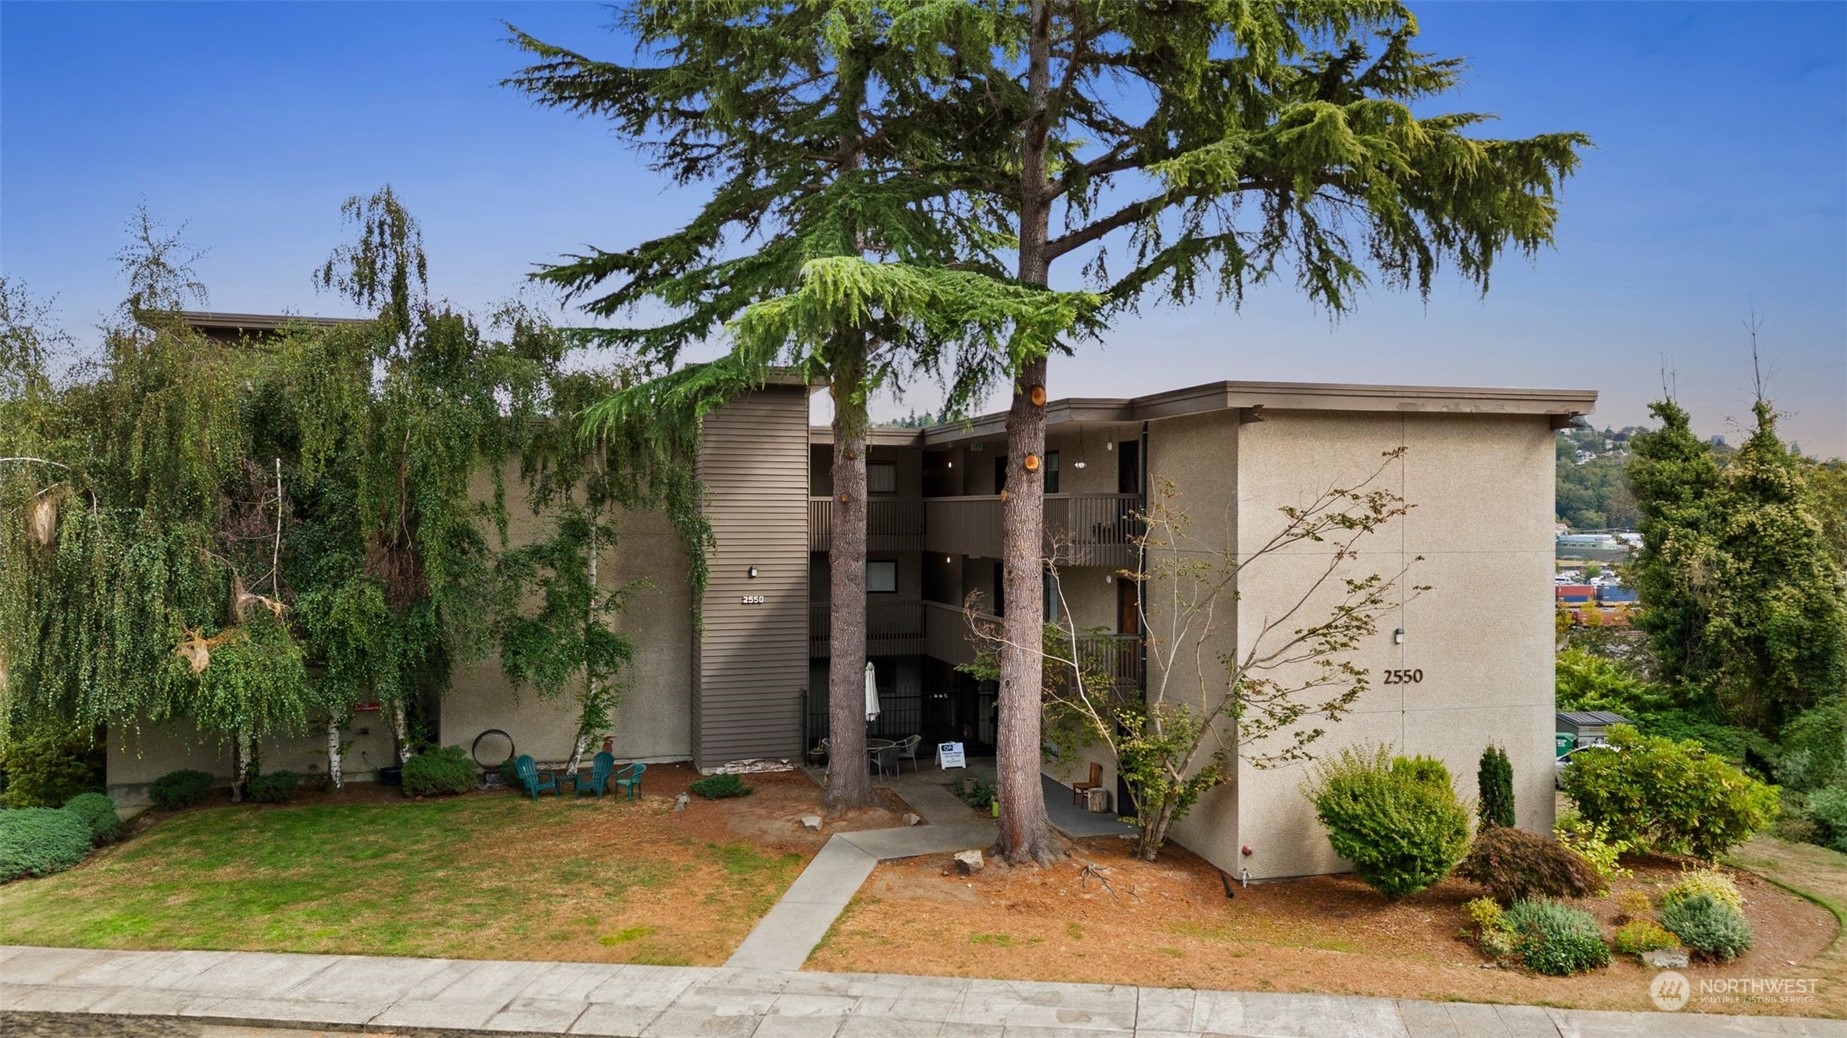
(334, 775)
(401, 726)
(577, 753)
(243, 767)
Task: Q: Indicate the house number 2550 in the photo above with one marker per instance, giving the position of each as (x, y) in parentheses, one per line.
(753, 599)
(1403, 677)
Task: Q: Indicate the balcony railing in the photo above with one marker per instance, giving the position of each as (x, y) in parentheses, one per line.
(1084, 529)
(892, 524)
(946, 634)
(892, 629)
(1116, 658)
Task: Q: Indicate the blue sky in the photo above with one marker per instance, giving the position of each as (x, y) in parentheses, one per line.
(1718, 186)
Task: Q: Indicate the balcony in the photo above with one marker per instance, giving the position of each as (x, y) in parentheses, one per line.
(1114, 657)
(1086, 529)
(892, 524)
(892, 629)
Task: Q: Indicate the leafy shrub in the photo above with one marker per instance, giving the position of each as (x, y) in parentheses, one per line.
(978, 795)
(509, 775)
(1492, 934)
(277, 787)
(1704, 882)
(1402, 829)
(1423, 769)
(1633, 904)
(1712, 929)
(177, 789)
(38, 841)
(1556, 939)
(1515, 865)
(718, 787)
(47, 766)
(1827, 807)
(1494, 779)
(446, 771)
(97, 812)
(1673, 797)
(1642, 935)
(1593, 844)
(1813, 747)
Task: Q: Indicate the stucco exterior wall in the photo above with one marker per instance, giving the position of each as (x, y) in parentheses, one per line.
(1198, 457)
(1481, 637)
(653, 721)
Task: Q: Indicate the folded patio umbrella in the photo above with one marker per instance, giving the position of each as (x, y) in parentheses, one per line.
(872, 693)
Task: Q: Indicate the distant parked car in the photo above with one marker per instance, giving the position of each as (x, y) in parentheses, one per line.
(1559, 765)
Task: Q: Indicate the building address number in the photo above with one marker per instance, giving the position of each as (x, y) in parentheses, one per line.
(1403, 677)
(753, 599)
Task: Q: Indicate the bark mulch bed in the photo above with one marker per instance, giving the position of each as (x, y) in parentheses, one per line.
(1103, 916)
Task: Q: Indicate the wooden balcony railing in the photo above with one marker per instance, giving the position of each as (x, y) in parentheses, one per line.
(892, 524)
(1085, 529)
(892, 629)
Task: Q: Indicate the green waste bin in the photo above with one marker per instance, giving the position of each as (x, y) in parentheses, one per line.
(1562, 743)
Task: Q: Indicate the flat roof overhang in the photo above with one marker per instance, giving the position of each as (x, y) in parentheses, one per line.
(1560, 406)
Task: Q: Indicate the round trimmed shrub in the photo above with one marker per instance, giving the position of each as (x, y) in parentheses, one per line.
(1515, 865)
(38, 841)
(1710, 882)
(1556, 939)
(1711, 928)
(277, 787)
(45, 766)
(1398, 822)
(441, 772)
(1642, 935)
(97, 812)
(177, 789)
(717, 787)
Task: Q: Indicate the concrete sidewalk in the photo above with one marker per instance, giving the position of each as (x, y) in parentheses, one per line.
(355, 993)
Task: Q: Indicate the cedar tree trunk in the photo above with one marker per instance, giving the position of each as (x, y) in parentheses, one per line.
(849, 780)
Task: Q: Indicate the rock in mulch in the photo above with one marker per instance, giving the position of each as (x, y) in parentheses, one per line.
(1665, 960)
(969, 862)
(811, 822)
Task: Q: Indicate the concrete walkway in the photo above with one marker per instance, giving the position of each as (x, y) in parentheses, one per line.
(381, 994)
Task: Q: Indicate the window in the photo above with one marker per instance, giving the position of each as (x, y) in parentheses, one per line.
(881, 577)
(881, 477)
(1051, 472)
(1051, 596)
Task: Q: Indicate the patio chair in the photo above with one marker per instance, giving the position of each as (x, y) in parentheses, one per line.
(1078, 789)
(628, 779)
(600, 767)
(533, 779)
(907, 749)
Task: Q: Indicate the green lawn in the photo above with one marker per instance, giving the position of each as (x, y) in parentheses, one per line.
(492, 876)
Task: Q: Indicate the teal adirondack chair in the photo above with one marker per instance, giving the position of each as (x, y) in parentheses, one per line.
(600, 767)
(628, 779)
(533, 779)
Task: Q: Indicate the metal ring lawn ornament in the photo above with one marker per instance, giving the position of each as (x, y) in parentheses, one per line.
(475, 752)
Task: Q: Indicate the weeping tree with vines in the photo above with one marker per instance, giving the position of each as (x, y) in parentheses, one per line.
(403, 416)
(141, 553)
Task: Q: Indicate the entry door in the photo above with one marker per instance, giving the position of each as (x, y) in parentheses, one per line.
(1128, 467)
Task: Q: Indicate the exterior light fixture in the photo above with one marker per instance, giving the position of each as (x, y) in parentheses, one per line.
(1398, 636)
(752, 571)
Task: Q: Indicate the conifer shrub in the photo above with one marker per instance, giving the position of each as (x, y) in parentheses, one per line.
(1495, 784)
(445, 771)
(46, 766)
(38, 841)
(1633, 904)
(1642, 935)
(276, 787)
(1515, 865)
(182, 788)
(718, 787)
(1398, 821)
(1710, 882)
(1556, 939)
(1710, 928)
(97, 812)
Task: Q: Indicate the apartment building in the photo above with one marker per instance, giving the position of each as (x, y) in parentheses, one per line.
(748, 679)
